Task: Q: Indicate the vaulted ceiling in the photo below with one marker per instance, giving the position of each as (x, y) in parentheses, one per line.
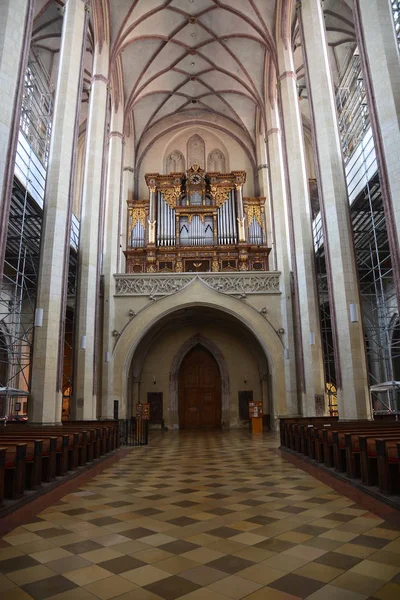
(184, 55)
(178, 61)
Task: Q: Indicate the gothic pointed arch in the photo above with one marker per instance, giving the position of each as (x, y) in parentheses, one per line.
(216, 161)
(175, 162)
(196, 151)
(200, 340)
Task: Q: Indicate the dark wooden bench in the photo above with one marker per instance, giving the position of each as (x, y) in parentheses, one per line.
(289, 428)
(355, 441)
(14, 470)
(30, 455)
(380, 464)
(323, 437)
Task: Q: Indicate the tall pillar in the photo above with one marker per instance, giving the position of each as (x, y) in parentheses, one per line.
(15, 35)
(283, 258)
(128, 182)
(353, 397)
(263, 183)
(87, 299)
(303, 247)
(111, 251)
(46, 391)
(380, 61)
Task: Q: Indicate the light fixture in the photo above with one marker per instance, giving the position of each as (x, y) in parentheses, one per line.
(245, 379)
(107, 357)
(83, 342)
(38, 317)
(353, 313)
(154, 380)
(311, 338)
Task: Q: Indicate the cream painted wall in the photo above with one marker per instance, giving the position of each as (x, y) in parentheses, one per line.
(241, 364)
(154, 160)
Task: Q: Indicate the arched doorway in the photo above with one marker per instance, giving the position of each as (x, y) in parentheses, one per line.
(199, 391)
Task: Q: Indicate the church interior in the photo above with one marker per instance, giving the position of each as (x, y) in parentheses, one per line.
(199, 299)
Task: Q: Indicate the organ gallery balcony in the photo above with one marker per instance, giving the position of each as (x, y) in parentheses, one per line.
(196, 222)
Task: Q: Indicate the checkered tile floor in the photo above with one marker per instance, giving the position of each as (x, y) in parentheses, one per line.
(211, 516)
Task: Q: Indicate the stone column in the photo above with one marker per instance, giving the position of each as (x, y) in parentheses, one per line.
(152, 214)
(240, 213)
(353, 397)
(87, 298)
(111, 251)
(15, 35)
(283, 257)
(128, 182)
(380, 60)
(302, 239)
(263, 182)
(46, 391)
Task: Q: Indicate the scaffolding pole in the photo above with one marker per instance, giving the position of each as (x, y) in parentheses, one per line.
(374, 265)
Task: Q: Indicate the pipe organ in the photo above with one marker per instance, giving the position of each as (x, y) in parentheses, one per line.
(196, 221)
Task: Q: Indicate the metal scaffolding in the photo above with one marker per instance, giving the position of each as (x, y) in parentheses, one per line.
(375, 273)
(19, 287)
(17, 300)
(324, 305)
(18, 291)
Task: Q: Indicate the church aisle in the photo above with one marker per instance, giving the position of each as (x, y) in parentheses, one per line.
(202, 515)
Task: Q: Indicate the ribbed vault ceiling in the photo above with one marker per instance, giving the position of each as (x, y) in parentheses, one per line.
(180, 55)
(177, 61)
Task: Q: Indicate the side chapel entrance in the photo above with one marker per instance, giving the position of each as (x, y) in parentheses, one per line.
(199, 391)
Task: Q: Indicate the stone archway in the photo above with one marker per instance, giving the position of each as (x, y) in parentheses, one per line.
(174, 378)
(198, 294)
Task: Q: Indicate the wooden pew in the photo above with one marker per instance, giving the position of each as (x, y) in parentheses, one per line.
(3, 452)
(32, 454)
(380, 462)
(355, 441)
(289, 428)
(324, 442)
(33, 458)
(64, 448)
(14, 470)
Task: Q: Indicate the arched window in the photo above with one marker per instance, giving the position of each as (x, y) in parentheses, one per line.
(216, 162)
(175, 162)
(196, 151)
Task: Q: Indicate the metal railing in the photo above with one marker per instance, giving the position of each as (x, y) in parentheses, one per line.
(133, 432)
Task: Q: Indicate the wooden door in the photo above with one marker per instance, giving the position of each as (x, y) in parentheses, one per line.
(199, 391)
(244, 399)
(155, 399)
